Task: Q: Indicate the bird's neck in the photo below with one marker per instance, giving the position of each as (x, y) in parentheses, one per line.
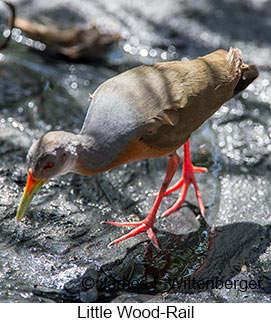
(86, 154)
(91, 156)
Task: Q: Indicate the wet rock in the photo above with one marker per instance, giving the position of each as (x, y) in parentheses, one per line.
(16, 85)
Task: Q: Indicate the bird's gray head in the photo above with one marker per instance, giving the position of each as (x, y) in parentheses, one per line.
(55, 153)
(52, 155)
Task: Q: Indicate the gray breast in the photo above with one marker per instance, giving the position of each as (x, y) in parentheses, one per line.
(111, 121)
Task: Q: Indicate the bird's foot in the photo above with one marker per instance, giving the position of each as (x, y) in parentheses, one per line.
(141, 226)
(187, 178)
(148, 222)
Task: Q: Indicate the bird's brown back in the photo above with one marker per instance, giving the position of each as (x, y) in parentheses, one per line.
(194, 91)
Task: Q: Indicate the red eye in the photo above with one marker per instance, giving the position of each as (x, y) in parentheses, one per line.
(48, 165)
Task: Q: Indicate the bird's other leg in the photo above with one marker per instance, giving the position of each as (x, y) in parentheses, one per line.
(187, 178)
(148, 222)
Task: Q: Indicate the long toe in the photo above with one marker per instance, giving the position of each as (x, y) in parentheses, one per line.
(141, 227)
(124, 224)
(179, 202)
(182, 195)
(175, 187)
(130, 234)
(200, 169)
(200, 203)
(153, 238)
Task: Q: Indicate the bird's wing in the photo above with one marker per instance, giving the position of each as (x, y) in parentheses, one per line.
(192, 92)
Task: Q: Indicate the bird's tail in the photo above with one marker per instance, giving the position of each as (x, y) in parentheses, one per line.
(248, 74)
(235, 60)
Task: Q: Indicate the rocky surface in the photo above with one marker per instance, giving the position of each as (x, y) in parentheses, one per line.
(59, 252)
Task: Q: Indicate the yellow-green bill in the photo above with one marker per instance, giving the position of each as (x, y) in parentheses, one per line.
(32, 186)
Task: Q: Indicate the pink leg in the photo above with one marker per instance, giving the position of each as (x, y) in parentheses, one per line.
(148, 222)
(188, 177)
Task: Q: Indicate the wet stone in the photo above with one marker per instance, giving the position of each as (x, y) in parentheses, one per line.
(16, 84)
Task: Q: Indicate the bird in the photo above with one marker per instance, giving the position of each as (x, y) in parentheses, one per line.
(147, 112)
